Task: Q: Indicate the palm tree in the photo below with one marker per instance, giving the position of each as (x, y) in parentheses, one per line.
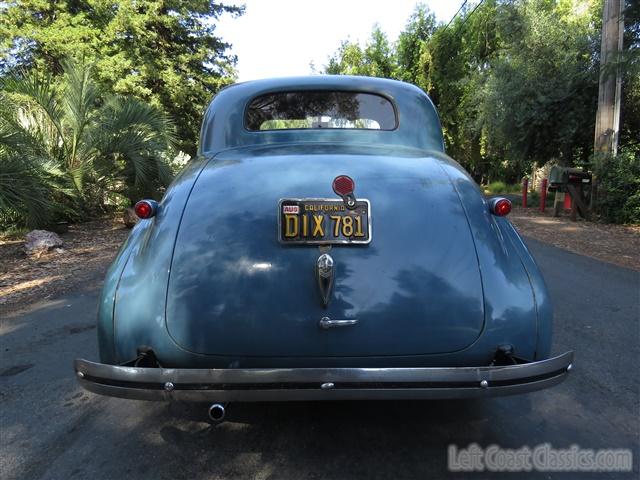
(65, 145)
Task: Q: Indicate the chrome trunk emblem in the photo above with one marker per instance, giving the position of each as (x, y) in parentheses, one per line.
(324, 275)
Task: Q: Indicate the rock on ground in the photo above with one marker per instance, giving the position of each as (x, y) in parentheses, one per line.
(40, 241)
(130, 218)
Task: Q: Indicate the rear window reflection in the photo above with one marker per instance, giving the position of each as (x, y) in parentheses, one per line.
(320, 110)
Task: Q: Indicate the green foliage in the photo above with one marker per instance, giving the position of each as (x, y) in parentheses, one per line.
(412, 49)
(497, 187)
(618, 198)
(65, 146)
(28, 191)
(514, 82)
(163, 52)
(539, 99)
(533, 199)
(517, 83)
(630, 64)
(376, 59)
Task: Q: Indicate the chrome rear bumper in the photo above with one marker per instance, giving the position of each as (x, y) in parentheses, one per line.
(291, 384)
(229, 385)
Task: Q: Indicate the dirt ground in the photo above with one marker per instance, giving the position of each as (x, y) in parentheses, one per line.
(90, 247)
(617, 244)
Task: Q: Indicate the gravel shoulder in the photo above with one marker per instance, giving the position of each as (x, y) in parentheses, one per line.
(88, 250)
(616, 244)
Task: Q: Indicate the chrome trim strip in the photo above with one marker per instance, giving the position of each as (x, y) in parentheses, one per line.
(323, 242)
(326, 323)
(306, 383)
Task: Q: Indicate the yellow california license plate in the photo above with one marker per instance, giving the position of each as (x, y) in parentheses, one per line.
(323, 221)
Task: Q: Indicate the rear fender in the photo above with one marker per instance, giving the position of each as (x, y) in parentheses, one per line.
(136, 283)
(509, 301)
(108, 295)
(541, 295)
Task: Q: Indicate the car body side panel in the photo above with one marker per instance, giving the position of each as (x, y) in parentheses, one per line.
(142, 286)
(508, 295)
(106, 340)
(544, 306)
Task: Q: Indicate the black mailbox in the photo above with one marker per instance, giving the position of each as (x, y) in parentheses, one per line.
(560, 177)
(572, 181)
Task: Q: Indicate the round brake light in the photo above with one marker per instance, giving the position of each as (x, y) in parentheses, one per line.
(343, 185)
(145, 208)
(500, 206)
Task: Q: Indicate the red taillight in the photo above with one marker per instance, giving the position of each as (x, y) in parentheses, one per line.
(343, 185)
(145, 208)
(500, 206)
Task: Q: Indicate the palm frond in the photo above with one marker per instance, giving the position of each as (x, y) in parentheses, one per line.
(138, 136)
(121, 113)
(34, 92)
(79, 97)
(26, 190)
(62, 148)
(25, 130)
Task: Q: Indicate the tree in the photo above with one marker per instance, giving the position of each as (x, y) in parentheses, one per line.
(164, 52)
(630, 121)
(376, 59)
(539, 102)
(64, 145)
(413, 47)
(514, 82)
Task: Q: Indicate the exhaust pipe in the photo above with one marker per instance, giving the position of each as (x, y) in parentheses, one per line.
(216, 413)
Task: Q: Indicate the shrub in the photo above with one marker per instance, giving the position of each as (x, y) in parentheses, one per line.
(618, 183)
(66, 146)
(495, 188)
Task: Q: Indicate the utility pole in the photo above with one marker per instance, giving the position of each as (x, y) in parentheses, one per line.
(610, 86)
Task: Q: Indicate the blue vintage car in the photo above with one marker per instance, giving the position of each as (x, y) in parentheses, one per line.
(322, 246)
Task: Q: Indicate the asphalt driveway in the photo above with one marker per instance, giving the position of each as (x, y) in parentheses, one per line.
(51, 429)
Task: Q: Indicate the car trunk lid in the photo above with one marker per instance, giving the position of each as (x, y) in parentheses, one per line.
(235, 290)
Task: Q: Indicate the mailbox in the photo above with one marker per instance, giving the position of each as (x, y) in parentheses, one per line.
(572, 181)
(560, 177)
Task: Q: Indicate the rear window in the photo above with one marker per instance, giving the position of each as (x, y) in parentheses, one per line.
(320, 109)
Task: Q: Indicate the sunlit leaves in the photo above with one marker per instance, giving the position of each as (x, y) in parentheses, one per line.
(61, 146)
(163, 52)
(514, 82)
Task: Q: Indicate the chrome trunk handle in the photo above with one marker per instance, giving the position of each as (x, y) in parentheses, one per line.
(326, 323)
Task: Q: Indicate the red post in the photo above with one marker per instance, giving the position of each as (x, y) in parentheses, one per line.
(525, 188)
(543, 194)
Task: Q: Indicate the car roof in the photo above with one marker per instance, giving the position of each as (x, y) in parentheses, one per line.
(223, 126)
